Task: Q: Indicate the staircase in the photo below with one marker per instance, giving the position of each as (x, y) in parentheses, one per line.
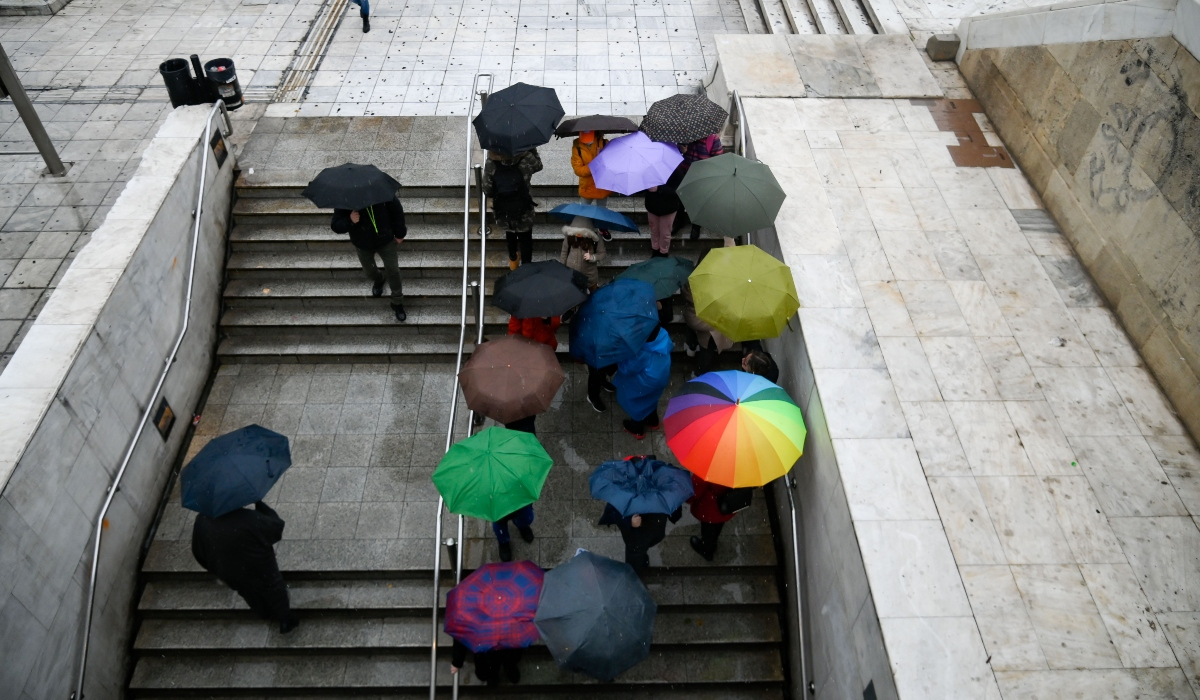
(295, 293)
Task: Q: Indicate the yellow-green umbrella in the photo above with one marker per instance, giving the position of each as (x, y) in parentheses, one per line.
(744, 293)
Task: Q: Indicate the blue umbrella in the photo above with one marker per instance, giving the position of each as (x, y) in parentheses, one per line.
(234, 470)
(640, 485)
(614, 323)
(612, 219)
(595, 616)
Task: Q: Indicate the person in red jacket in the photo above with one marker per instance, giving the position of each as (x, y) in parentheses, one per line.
(542, 330)
(708, 512)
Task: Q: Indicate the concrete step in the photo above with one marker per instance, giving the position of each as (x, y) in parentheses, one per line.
(424, 347)
(290, 183)
(312, 672)
(413, 558)
(245, 292)
(187, 598)
(367, 316)
(411, 630)
(766, 691)
(297, 210)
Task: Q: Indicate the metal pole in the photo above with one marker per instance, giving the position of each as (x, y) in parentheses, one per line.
(29, 115)
(790, 485)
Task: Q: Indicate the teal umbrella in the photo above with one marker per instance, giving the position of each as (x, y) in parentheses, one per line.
(666, 274)
(731, 194)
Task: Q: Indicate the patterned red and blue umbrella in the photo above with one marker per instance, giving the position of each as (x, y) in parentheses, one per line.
(493, 608)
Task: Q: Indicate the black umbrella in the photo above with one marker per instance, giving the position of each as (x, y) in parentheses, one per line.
(683, 119)
(518, 118)
(596, 122)
(596, 616)
(540, 289)
(351, 186)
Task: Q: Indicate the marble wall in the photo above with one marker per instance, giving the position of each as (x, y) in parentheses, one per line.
(1109, 134)
(82, 379)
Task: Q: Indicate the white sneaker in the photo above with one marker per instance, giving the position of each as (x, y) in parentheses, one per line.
(691, 350)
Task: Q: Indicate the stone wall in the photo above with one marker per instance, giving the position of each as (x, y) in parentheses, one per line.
(80, 383)
(1109, 134)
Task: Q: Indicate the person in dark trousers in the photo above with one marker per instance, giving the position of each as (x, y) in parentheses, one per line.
(640, 532)
(377, 230)
(239, 548)
(528, 424)
(705, 507)
(489, 664)
(364, 11)
(508, 181)
(599, 378)
(523, 519)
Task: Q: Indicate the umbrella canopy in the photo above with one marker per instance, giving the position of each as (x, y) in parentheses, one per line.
(493, 608)
(540, 289)
(596, 616)
(511, 378)
(492, 473)
(633, 163)
(351, 186)
(734, 429)
(666, 274)
(683, 119)
(614, 323)
(641, 485)
(596, 122)
(731, 194)
(607, 217)
(744, 292)
(234, 470)
(517, 118)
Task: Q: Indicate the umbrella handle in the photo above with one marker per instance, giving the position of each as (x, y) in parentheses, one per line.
(270, 471)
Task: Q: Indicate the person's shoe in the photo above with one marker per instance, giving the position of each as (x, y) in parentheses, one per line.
(691, 350)
(400, 315)
(604, 234)
(695, 234)
(377, 289)
(478, 420)
(627, 424)
(656, 426)
(699, 547)
(514, 264)
(505, 551)
(366, 25)
(597, 403)
(657, 254)
(526, 533)
(289, 624)
(608, 386)
(514, 674)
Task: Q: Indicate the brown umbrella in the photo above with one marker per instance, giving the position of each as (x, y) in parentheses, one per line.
(511, 378)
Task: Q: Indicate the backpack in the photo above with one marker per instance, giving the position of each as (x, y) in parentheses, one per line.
(735, 500)
(510, 194)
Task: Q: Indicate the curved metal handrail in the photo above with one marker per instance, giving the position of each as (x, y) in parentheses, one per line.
(197, 215)
(462, 338)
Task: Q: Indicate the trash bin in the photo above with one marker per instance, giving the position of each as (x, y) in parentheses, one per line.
(178, 79)
(222, 77)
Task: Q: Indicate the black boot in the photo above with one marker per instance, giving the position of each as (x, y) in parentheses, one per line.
(377, 289)
(400, 315)
(695, 232)
(289, 624)
(366, 24)
(698, 545)
(526, 533)
(597, 403)
(505, 551)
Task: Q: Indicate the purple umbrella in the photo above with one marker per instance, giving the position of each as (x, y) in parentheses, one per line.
(633, 163)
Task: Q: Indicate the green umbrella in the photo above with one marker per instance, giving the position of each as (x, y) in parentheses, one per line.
(666, 274)
(493, 473)
(744, 292)
(731, 194)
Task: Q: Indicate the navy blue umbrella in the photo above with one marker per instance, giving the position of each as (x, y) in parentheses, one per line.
(639, 485)
(614, 323)
(595, 616)
(234, 470)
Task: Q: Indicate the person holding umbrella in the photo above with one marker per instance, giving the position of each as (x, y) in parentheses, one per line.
(491, 615)
(641, 494)
(641, 380)
(228, 540)
(508, 181)
(365, 206)
(662, 205)
(584, 149)
(583, 249)
(611, 326)
(694, 122)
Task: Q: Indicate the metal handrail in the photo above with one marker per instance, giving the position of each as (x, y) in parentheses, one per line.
(735, 105)
(197, 215)
(462, 338)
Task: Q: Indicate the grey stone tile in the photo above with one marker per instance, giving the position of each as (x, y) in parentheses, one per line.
(320, 419)
(311, 450)
(392, 450)
(359, 419)
(336, 521)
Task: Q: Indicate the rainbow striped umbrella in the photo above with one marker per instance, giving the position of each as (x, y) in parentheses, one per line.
(734, 429)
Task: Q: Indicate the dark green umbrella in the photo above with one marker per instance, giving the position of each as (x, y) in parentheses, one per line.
(731, 194)
(666, 274)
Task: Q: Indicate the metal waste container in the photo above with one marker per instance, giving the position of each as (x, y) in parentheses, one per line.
(222, 77)
(180, 87)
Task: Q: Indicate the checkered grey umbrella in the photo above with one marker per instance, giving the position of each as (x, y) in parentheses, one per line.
(683, 119)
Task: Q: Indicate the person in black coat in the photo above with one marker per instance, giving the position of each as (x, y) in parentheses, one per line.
(662, 204)
(377, 230)
(640, 532)
(488, 664)
(239, 548)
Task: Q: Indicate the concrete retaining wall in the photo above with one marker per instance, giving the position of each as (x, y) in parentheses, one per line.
(1107, 132)
(70, 399)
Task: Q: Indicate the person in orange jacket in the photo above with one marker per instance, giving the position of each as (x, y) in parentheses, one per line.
(542, 330)
(583, 149)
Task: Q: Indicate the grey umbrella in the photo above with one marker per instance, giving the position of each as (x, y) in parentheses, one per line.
(595, 616)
